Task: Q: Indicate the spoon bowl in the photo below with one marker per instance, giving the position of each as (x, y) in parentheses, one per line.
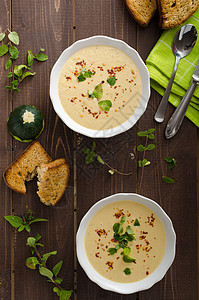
(183, 43)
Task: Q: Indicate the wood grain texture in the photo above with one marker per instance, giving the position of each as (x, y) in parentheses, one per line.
(6, 234)
(47, 25)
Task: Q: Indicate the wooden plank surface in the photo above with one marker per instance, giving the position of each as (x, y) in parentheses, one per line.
(6, 263)
(54, 25)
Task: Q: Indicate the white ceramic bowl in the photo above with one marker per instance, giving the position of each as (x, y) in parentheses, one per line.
(157, 275)
(54, 78)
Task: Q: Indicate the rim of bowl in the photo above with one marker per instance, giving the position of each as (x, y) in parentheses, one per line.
(157, 275)
(91, 41)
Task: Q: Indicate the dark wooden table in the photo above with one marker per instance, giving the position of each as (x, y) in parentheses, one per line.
(54, 25)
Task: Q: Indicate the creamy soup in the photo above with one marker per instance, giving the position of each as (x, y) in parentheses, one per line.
(100, 87)
(142, 241)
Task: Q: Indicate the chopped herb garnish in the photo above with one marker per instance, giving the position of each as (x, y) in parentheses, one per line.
(83, 74)
(90, 95)
(111, 81)
(112, 251)
(136, 223)
(167, 179)
(105, 104)
(98, 91)
(128, 259)
(81, 78)
(127, 271)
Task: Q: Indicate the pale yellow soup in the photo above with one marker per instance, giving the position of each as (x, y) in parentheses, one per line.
(147, 249)
(104, 62)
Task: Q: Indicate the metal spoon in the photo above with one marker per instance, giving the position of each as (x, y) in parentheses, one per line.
(183, 43)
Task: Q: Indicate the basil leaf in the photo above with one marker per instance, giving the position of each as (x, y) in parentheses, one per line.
(100, 160)
(47, 255)
(123, 243)
(151, 130)
(167, 179)
(14, 221)
(129, 230)
(57, 268)
(9, 74)
(3, 49)
(136, 223)
(116, 227)
(21, 228)
(128, 259)
(150, 147)
(105, 104)
(31, 241)
(141, 148)
(142, 133)
(127, 251)
(122, 220)
(171, 162)
(31, 262)
(27, 74)
(112, 251)
(57, 290)
(111, 81)
(14, 53)
(81, 78)
(151, 136)
(46, 272)
(41, 57)
(2, 35)
(13, 37)
(30, 57)
(18, 69)
(127, 271)
(98, 91)
(90, 157)
(8, 64)
(65, 295)
(88, 74)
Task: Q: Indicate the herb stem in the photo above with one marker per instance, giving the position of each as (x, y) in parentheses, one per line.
(142, 172)
(115, 170)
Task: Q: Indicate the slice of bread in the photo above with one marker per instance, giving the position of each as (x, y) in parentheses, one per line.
(175, 12)
(52, 181)
(24, 167)
(142, 10)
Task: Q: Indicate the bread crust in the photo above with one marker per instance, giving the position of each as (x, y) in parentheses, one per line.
(142, 14)
(52, 181)
(24, 167)
(174, 13)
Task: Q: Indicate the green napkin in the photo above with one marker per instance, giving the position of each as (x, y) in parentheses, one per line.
(160, 64)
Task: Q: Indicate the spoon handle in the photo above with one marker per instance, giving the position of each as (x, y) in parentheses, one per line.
(160, 113)
(178, 115)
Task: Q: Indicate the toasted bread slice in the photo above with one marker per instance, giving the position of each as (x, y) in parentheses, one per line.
(175, 12)
(142, 10)
(24, 167)
(52, 181)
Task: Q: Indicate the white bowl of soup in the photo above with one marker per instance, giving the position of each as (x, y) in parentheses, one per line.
(126, 243)
(99, 86)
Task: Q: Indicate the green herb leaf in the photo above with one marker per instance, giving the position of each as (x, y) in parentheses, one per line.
(14, 221)
(27, 228)
(21, 228)
(42, 49)
(18, 70)
(129, 230)
(37, 220)
(150, 147)
(9, 74)
(141, 148)
(14, 53)
(30, 58)
(65, 295)
(41, 57)
(151, 136)
(167, 179)
(90, 157)
(136, 223)
(31, 262)
(27, 74)
(90, 95)
(8, 64)
(123, 243)
(105, 104)
(47, 255)
(127, 251)
(45, 272)
(122, 220)
(2, 35)
(98, 91)
(142, 133)
(171, 162)
(3, 49)
(127, 271)
(143, 163)
(58, 280)
(112, 251)
(15, 82)
(151, 130)
(117, 228)
(128, 259)
(57, 268)
(13, 37)
(38, 237)
(31, 241)
(100, 160)
(81, 78)
(111, 171)
(111, 80)
(57, 290)
(88, 74)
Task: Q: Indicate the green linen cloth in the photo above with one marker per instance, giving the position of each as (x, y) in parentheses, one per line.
(160, 64)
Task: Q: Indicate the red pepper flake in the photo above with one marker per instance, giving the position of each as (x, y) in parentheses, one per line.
(101, 232)
(67, 77)
(83, 95)
(151, 220)
(97, 255)
(119, 213)
(110, 265)
(147, 273)
(117, 257)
